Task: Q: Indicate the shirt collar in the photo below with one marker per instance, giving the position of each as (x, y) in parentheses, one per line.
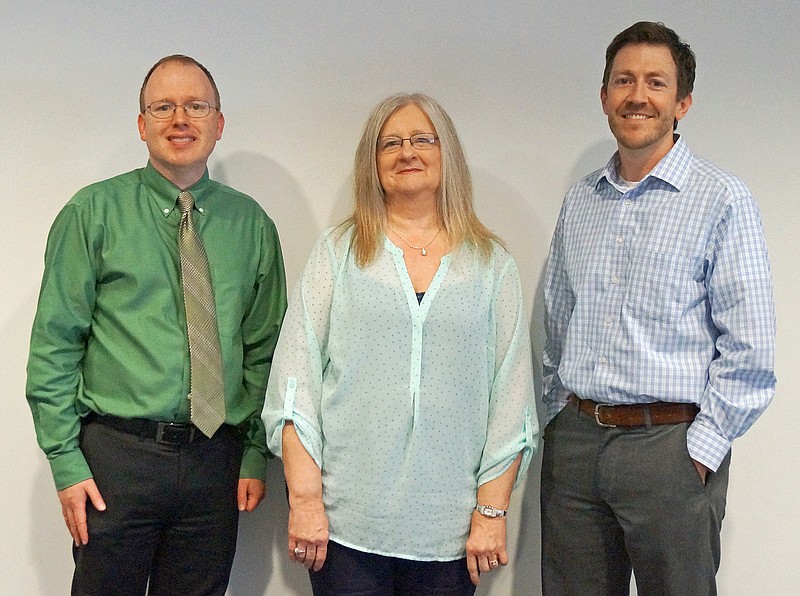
(165, 193)
(672, 169)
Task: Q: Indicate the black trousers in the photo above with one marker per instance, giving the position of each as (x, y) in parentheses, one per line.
(350, 572)
(171, 515)
(616, 500)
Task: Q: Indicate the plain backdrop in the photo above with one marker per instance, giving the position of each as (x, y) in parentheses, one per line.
(298, 77)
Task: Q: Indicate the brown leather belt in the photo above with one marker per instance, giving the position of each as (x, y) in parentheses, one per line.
(633, 415)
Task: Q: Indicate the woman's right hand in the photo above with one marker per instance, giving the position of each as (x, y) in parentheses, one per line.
(308, 533)
(308, 524)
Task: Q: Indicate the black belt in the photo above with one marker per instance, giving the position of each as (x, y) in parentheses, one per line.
(168, 433)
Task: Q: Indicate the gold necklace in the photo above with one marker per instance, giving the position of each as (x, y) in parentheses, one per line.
(422, 249)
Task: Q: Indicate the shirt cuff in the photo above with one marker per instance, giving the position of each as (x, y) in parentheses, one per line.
(69, 468)
(705, 445)
(254, 464)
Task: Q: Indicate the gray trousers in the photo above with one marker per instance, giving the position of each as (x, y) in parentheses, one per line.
(617, 500)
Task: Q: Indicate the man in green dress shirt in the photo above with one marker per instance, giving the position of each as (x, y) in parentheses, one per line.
(146, 496)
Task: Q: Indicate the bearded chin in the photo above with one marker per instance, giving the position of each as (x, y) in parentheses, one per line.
(635, 140)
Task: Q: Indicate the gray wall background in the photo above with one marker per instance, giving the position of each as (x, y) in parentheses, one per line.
(297, 77)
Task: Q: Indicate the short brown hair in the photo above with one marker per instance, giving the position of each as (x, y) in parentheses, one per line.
(656, 34)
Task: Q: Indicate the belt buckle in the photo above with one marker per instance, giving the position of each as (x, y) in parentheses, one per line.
(172, 433)
(597, 415)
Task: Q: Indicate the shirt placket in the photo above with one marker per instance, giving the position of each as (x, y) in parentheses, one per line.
(415, 374)
(616, 247)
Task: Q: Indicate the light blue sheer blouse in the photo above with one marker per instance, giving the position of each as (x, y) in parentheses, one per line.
(406, 407)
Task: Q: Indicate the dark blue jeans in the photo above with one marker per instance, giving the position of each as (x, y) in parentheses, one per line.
(349, 572)
(171, 517)
(616, 500)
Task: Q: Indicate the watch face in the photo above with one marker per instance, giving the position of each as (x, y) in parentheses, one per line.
(489, 511)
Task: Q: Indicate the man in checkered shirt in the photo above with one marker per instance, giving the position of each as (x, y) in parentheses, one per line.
(660, 343)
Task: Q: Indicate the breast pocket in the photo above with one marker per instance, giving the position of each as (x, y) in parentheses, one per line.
(663, 286)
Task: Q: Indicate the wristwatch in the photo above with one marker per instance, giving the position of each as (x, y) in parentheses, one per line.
(490, 511)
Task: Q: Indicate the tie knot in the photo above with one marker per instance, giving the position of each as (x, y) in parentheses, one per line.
(185, 201)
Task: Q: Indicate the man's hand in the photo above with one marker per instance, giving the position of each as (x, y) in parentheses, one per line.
(250, 493)
(73, 508)
(701, 469)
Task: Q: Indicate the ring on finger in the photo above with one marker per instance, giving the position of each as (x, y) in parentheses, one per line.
(493, 563)
(299, 551)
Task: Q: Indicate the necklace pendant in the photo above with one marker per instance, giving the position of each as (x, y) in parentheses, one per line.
(424, 252)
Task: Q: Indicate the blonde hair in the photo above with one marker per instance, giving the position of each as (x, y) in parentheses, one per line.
(454, 197)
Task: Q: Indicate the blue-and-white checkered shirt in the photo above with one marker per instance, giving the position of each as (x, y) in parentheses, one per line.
(663, 292)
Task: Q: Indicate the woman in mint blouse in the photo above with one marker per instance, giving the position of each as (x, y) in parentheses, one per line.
(401, 394)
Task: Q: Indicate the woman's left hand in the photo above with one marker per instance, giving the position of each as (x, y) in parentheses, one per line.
(486, 545)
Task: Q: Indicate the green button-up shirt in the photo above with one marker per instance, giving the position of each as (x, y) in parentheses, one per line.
(110, 330)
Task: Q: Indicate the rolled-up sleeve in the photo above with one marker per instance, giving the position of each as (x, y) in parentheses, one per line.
(295, 384)
(512, 425)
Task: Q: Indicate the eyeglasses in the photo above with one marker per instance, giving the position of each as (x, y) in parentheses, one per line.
(166, 109)
(421, 142)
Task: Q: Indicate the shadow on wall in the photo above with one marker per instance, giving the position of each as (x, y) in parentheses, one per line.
(516, 220)
(528, 556)
(593, 158)
(514, 217)
(526, 559)
(279, 193)
(261, 559)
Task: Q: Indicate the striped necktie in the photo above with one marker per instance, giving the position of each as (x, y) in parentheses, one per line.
(207, 392)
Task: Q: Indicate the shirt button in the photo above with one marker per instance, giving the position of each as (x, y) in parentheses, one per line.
(614, 279)
(608, 319)
(201, 210)
(627, 202)
(603, 360)
(166, 211)
(619, 239)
